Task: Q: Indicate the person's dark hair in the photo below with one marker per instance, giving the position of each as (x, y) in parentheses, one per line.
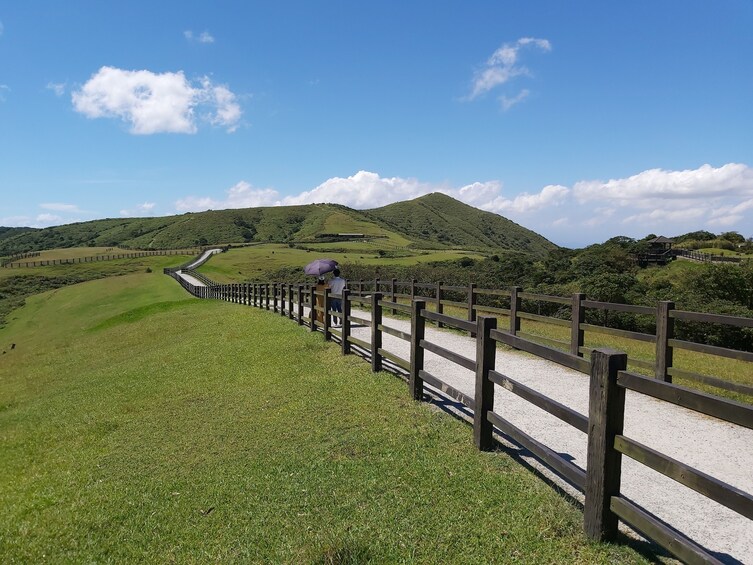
(336, 272)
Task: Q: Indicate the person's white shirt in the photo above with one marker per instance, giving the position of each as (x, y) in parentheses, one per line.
(336, 285)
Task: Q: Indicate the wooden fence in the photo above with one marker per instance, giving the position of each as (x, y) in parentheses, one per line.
(19, 256)
(517, 305)
(607, 369)
(706, 257)
(95, 258)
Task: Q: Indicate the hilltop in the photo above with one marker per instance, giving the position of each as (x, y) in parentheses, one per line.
(434, 221)
(440, 218)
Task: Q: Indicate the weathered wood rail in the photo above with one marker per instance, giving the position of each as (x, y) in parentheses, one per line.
(600, 481)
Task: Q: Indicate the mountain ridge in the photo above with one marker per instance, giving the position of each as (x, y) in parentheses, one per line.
(431, 221)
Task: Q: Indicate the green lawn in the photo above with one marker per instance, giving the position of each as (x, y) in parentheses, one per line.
(253, 262)
(139, 424)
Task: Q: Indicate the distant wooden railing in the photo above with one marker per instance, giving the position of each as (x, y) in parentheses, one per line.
(601, 480)
(15, 264)
(18, 256)
(705, 257)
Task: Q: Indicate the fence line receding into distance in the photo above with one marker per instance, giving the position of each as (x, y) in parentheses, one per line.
(607, 370)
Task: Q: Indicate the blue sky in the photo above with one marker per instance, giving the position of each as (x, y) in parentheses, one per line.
(581, 120)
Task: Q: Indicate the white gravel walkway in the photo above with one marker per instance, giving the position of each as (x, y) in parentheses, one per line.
(200, 261)
(720, 449)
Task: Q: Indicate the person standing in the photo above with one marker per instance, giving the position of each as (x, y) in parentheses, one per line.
(336, 286)
(321, 284)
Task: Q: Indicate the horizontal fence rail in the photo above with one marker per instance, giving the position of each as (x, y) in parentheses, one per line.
(607, 370)
(14, 263)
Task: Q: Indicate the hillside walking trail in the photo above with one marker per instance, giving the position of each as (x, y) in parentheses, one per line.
(723, 450)
(197, 263)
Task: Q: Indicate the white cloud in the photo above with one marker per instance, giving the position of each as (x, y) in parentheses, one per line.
(55, 214)
(3, 89)
(61, 207)
(362, 190)
(549, 196)
(155, 102)
(57, 87)
(203, 37)
(241, 195)
(144, 209)
(228, 111)
(508, 103)
(648, 187)
(48, 220)
(16, 221)
(502, 67)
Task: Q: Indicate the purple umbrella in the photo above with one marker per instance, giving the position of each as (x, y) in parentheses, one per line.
(320, 266)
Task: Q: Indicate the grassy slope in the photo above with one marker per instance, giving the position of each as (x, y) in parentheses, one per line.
(251, 263)
(437, 217)
(137, 424)
(17, 284)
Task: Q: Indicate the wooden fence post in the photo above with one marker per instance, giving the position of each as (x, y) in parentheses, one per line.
(274, 298)
(393, 292)
(300, 304)
(325, 318)
(283, 287)
(291, 316)
(345, 344)
(486, 351)
(376, 333)
(266, 295)
(413, 289)
(514, 307)
(606, 412)
(312, 308)
(665, 331)
(577, 317)
(471, 305)
(440, 306)
(417, 332)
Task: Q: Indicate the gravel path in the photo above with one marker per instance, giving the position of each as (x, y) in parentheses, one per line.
(200, 261)
(720, 449)
(188, 278)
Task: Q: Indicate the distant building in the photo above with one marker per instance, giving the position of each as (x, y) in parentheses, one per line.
(661, 243)
(659, 252)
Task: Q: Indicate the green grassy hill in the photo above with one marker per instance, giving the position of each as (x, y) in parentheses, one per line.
(434, 221)
(439, 218)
